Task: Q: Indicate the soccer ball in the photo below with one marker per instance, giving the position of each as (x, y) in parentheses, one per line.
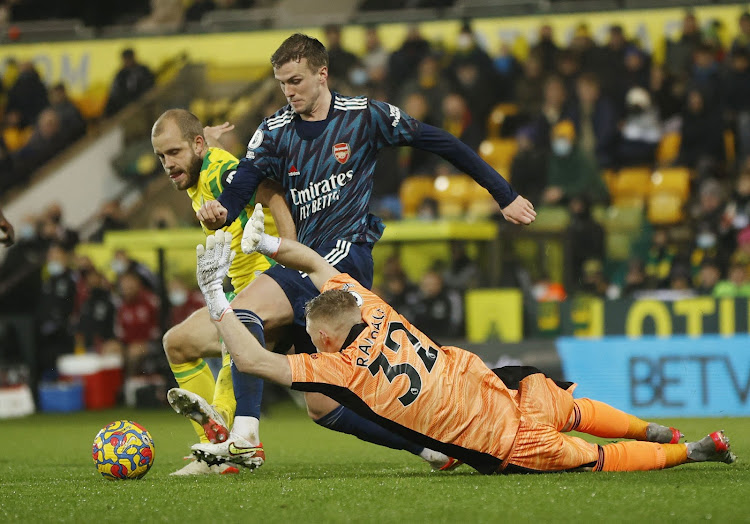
(123, 450)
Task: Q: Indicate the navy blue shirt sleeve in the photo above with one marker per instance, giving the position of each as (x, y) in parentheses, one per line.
(235, 195)
(261, 161)
(442, 143)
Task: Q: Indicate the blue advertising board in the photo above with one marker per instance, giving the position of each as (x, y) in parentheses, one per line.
(679, 376)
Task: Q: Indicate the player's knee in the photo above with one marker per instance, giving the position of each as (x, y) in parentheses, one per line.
(177, 346)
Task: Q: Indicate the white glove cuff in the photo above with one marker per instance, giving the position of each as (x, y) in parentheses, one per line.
(217, 303)
(268, 245)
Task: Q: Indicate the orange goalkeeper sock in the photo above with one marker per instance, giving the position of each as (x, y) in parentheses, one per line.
(602, 420)
(676, 454)
(642, 456)
(634, 456)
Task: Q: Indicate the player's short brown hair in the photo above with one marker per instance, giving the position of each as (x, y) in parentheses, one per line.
(299, 46)
(187, 123)
(330, 304)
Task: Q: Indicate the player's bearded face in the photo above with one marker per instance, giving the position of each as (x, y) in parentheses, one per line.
(193, 171)
(181, 162)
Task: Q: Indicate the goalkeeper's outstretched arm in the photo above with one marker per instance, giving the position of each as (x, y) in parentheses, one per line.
(248, 355)
(285, 251)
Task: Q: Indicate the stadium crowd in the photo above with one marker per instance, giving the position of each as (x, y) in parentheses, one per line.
(577, 115)
(40, 121)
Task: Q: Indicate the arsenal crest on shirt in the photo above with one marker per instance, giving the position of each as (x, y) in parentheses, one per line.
(342, 152)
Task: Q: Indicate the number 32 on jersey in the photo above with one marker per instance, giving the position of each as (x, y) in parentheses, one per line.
(427, 356)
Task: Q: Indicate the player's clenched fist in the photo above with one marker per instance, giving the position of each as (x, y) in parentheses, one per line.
(520, 211)
(254, 238)
(212, 214)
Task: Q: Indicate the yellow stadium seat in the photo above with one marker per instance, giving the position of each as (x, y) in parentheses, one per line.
(454, 193)
(413, 191)
(674, 180)
(497, 117)
(456, 187)
(199, 107)
(665, 208)
(669, 148)
(627, 219)
(631, 186)
(499, 153)
(551, 219)
(618, 246)
(91, 104)
(479, 202)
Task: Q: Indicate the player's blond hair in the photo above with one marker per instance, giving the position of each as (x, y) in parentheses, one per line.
(188, 124)
(299, 46)
(331, 305)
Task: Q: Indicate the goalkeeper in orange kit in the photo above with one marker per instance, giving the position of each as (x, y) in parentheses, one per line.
(375, 362)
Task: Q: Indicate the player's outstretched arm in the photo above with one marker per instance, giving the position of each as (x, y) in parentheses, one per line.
(516, 209)
(287, 252)
(248, 355)
(271, 195)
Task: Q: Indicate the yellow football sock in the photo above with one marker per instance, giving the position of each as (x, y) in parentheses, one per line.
(224, 401)
(197, 378)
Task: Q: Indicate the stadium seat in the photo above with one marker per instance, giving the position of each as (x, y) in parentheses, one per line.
(665, 208)
(497, 117)
(413, 191)
(453, 193)
(551, 219)
(675, 180)
(480, 202)
(618, 246)
(199, 107)
(92, 103)
(627, 219)
(669, 148)
(499, 153)
(631, 186)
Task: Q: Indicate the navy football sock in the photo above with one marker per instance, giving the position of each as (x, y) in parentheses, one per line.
(345, 420)
(248, 390)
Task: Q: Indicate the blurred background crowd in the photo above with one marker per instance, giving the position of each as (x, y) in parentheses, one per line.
(639, 167)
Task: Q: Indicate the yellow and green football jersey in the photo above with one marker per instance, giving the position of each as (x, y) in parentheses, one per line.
(218, 168)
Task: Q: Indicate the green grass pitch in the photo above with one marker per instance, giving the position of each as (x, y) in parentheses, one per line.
(315, 475)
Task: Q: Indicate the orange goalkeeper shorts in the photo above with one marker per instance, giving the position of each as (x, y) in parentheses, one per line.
(540, 445)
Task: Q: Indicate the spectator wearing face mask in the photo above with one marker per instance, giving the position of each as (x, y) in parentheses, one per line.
(122, 263)
(641, 130)
(183, 301)
(706, 248)
(570, 172)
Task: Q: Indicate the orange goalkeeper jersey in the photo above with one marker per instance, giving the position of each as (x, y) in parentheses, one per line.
(444, 398)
